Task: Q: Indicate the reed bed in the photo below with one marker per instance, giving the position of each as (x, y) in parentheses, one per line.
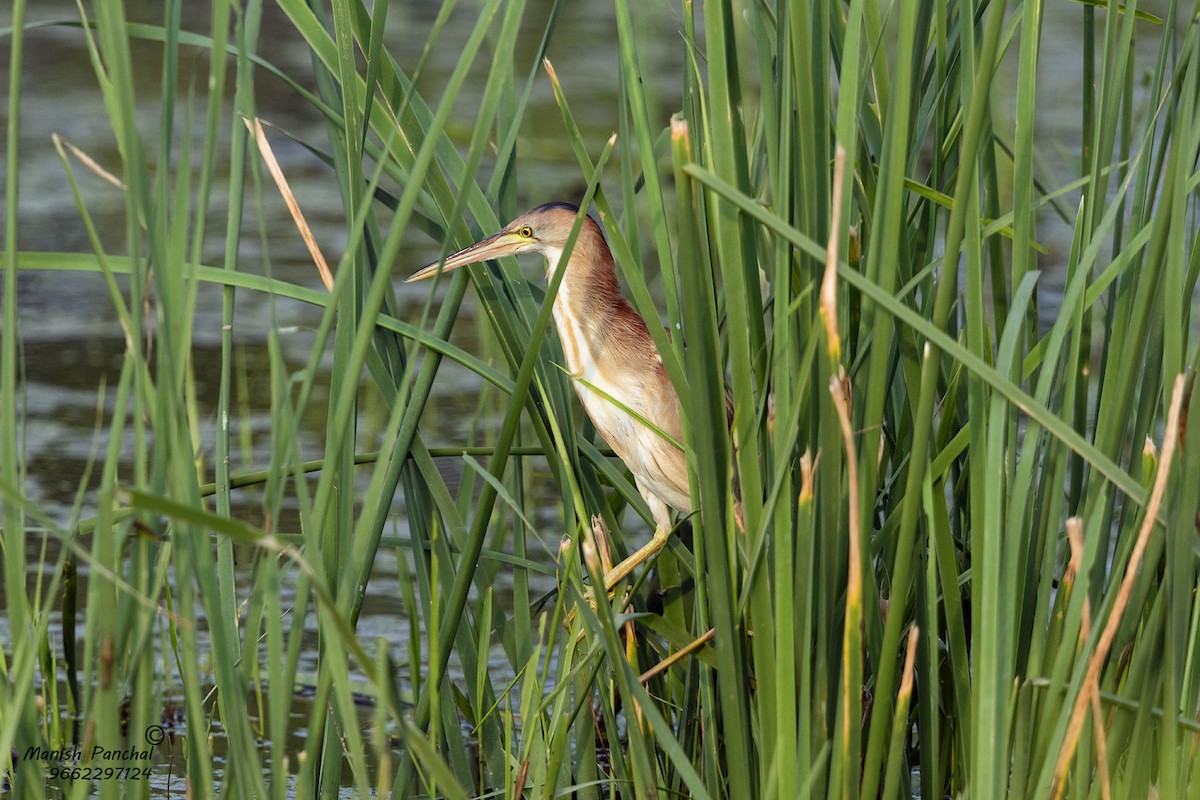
(969, 559)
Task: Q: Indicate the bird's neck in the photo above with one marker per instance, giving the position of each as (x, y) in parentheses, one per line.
(589, 288)
(588, 299)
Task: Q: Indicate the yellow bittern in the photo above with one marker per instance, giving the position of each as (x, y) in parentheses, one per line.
(609, 354)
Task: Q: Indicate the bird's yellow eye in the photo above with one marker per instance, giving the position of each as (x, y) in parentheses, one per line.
(526, 231)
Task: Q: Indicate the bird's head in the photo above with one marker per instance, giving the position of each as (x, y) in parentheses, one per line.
(544, 230)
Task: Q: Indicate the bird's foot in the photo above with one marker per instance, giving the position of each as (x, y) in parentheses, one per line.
(596, 554)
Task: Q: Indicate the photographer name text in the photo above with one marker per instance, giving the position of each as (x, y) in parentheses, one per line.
(74, 753)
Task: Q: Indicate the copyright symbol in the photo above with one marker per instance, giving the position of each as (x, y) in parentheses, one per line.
(155, 735)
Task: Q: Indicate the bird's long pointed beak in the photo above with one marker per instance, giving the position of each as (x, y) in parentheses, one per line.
(497, 245)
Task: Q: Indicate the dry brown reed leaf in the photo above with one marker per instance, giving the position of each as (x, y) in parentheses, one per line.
(310, 241)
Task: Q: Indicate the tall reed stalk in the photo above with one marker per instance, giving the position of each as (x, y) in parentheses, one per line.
(947, 545)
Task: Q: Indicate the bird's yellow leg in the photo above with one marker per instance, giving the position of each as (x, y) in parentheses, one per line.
(644, 553)
(662, 534)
